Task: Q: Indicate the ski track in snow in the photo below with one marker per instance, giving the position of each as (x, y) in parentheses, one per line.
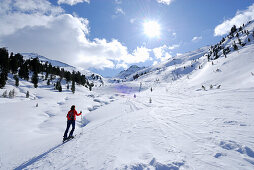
(165, 130)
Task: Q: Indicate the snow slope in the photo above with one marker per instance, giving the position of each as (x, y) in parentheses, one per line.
(184, 127)
(177, 125)
(131, 70)
(29, 130)
(45, 59)
(170, 70)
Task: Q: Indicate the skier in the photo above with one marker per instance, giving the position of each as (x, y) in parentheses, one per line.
(71, 117)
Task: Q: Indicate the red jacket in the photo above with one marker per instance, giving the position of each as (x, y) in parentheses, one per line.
(73, 113)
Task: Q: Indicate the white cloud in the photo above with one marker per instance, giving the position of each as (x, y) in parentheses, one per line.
(119, 11)
(72, 2)
(196, 39)
(39, 6)
(118, 1)
(132, 20)
(122, 65)
(155, 62)
(140, 54)
(62, 37)
(174, 34)
(172, 47)
(179, 54)
(29, 6)
(167, 2)
(28, 13)
(167, 56)
(241, 17)
(161, 53)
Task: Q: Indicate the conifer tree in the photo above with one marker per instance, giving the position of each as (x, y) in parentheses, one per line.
(12, 94)
(4, 58)
(239, 41)
(14, 63)
(5, 94)
(90, 86)
(47, 75)
(67, 76)
(56, 85)
(27, 94)
(51, 77)
(60, 87)
(35, 79)
(16, 80)
(24, 72)
(233, 29)
(224, 52)
(235, 47)
(4, 66)
(150, 100)
(3, 78)
(35, 65)
(73, 86)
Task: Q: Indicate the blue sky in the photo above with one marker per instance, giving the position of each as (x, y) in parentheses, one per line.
(107, 36)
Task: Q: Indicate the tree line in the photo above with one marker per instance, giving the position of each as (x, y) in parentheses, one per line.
(213, 53)
(19, 67)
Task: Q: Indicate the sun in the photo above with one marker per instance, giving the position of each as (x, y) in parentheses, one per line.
(151, 29)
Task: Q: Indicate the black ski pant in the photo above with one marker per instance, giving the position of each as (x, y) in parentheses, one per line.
(69, 123)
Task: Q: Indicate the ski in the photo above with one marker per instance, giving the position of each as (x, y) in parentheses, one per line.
(68, 139)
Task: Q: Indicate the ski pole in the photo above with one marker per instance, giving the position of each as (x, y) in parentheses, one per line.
(81, 122)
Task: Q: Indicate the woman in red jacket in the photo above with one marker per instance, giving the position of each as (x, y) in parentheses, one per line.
(71, 117)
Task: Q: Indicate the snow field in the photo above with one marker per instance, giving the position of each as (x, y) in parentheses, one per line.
(183, 127)
(32, 130)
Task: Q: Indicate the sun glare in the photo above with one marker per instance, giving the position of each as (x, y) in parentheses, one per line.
(151, 29)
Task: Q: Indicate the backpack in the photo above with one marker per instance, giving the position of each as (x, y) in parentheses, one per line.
(71, 115)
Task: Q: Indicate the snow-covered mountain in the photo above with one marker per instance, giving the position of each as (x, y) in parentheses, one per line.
(190, 112)
(95, 78)
(131, 70)
(185, 64)
(45, 59)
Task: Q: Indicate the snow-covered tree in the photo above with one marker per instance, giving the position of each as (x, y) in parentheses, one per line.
(5, 94)
(203, 87)
(90, 86)
(12, 94)
(27, 94)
